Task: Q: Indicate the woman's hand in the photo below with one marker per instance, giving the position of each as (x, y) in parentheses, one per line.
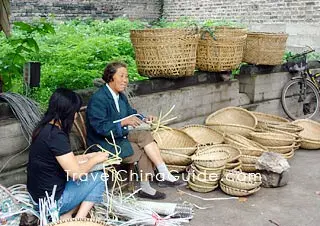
(150, 118)
(131, 121)
(99, 157)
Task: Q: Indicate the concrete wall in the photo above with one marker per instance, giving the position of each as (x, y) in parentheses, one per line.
(70, 9)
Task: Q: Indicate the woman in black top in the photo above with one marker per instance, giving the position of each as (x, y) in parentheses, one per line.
(51, 161)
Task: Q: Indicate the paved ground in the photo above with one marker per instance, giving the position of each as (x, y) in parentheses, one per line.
(296, 204)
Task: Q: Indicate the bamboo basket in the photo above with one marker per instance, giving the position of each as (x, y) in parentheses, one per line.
(249, 168)
(264, 118)
(311, 129)
(232, 115)
(176, 168)
(79, 221)
(173, 158)
(234, 165)
(285, 127)
(310, 144)
(243, 185)
(288, 155)
(201, 188)
(241, 176)
(232, 129)
(283, 149)
(223, 52)
(204, 175)
(203, 181)
(265, 48)
(237, 192)
(209, 170)
(203, 135)
(247, 159)
(164, 52)
(243, 142)
(234, 152)
(273, 139)
(176, 140)
(212, 157)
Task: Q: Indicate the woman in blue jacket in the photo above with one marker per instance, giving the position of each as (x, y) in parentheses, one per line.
(108, 110)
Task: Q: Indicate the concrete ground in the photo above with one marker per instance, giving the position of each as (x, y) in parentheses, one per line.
(296, 204)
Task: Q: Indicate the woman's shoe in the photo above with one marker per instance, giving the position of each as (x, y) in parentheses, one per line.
(157, 195)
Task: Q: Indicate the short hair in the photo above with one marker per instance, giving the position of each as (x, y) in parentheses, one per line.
(111, 69)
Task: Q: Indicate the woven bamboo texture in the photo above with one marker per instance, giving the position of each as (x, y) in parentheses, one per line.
(273, 139)
(223, 52)
(247, 159)
(200, 188)
(283, 149)
(212, 157)
(246, 185)
(79, 222)
(232, 115)
(205, 175)
(243, 142)
(203, 134)
(173, 158)
(268, 118)
(237, 192)
(311, 129)
(241, 176)
(175, 139)
(176, 169)
(249, 168)
(209, 170)
(232, 129)
(165, 52)
(204, 181)
(289, 155)
(310, 144)
(265, 48)
(233, 165)
(285, 127)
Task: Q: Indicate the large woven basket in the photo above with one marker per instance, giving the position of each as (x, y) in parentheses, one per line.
(205, 175)
(247, 185)
(237, 192)
(242, 142)
(203, 135)
(311, 129)
(165, 52)
(232, 129)
(175, 139)
(173, 158)
(223, 52)
(283, 149)
(310, 144)
(80, 222)
(234, 165)
(265, 48)
(212, 157)
(285, 127)
(210, 170)
(265, 118)
(273, 139)
(247, 159)
(232, 115)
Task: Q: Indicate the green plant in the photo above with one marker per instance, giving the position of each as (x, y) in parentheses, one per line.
(19, 48)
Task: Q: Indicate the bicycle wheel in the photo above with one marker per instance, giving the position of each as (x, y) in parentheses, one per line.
(300, 104)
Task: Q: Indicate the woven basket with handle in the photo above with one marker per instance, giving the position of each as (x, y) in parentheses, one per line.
(265, 48)
(165, 52)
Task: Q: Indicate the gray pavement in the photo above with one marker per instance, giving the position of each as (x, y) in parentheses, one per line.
(296, 204)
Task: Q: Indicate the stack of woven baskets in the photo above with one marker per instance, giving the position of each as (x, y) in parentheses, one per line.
(310, 135)
(232, 120)
(207, 167)
(277, 134)
(176, 148)
(237, 183)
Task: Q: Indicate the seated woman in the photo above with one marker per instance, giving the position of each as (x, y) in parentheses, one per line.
(108, 110)
(51, 161)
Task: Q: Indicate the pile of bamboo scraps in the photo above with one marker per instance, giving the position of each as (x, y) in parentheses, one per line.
(13, 202)
(125, 211)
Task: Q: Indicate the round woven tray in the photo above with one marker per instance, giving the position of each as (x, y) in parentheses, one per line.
(205, 175)
(273, 139)
(265, 48)
(203, 134)
(311, 129)
(212, 157)
(246, 185)
(247, 159)
(79, 222)
(249, 168)
(242, 142)
(176, 169)
(237, 192)
(234, 152)
(310, 144)
(165, 52)
(232, 129)
(288, 155)
(283, 149)
(203, 182)
(209, 170)
(223, 52)
(232, 115)
(238, 175)
(200, 188)
(175, 139)
(173, 158)
(233, 165)
(286, 127)
(264, 118)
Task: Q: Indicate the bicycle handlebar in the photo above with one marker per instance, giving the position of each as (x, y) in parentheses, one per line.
(302, 54)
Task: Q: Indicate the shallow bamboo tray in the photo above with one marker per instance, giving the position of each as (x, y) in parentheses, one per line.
(200, 188)
(203, 134)
(237, 192)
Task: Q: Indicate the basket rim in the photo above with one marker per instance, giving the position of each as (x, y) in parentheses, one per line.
(247, 192)
(253, 144)
(306, 121)
(212, 131)
(92, 220)
(154, 134)
(261, 135)
(278, 118)
(231, 108)
(278, 34)
(166, 151)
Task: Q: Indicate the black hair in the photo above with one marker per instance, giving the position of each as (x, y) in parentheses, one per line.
(111, 69)
(63, 105)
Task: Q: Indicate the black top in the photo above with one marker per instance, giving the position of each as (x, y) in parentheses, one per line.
(44, 171)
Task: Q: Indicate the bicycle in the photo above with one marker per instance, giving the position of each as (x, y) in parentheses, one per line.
(300, 96)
